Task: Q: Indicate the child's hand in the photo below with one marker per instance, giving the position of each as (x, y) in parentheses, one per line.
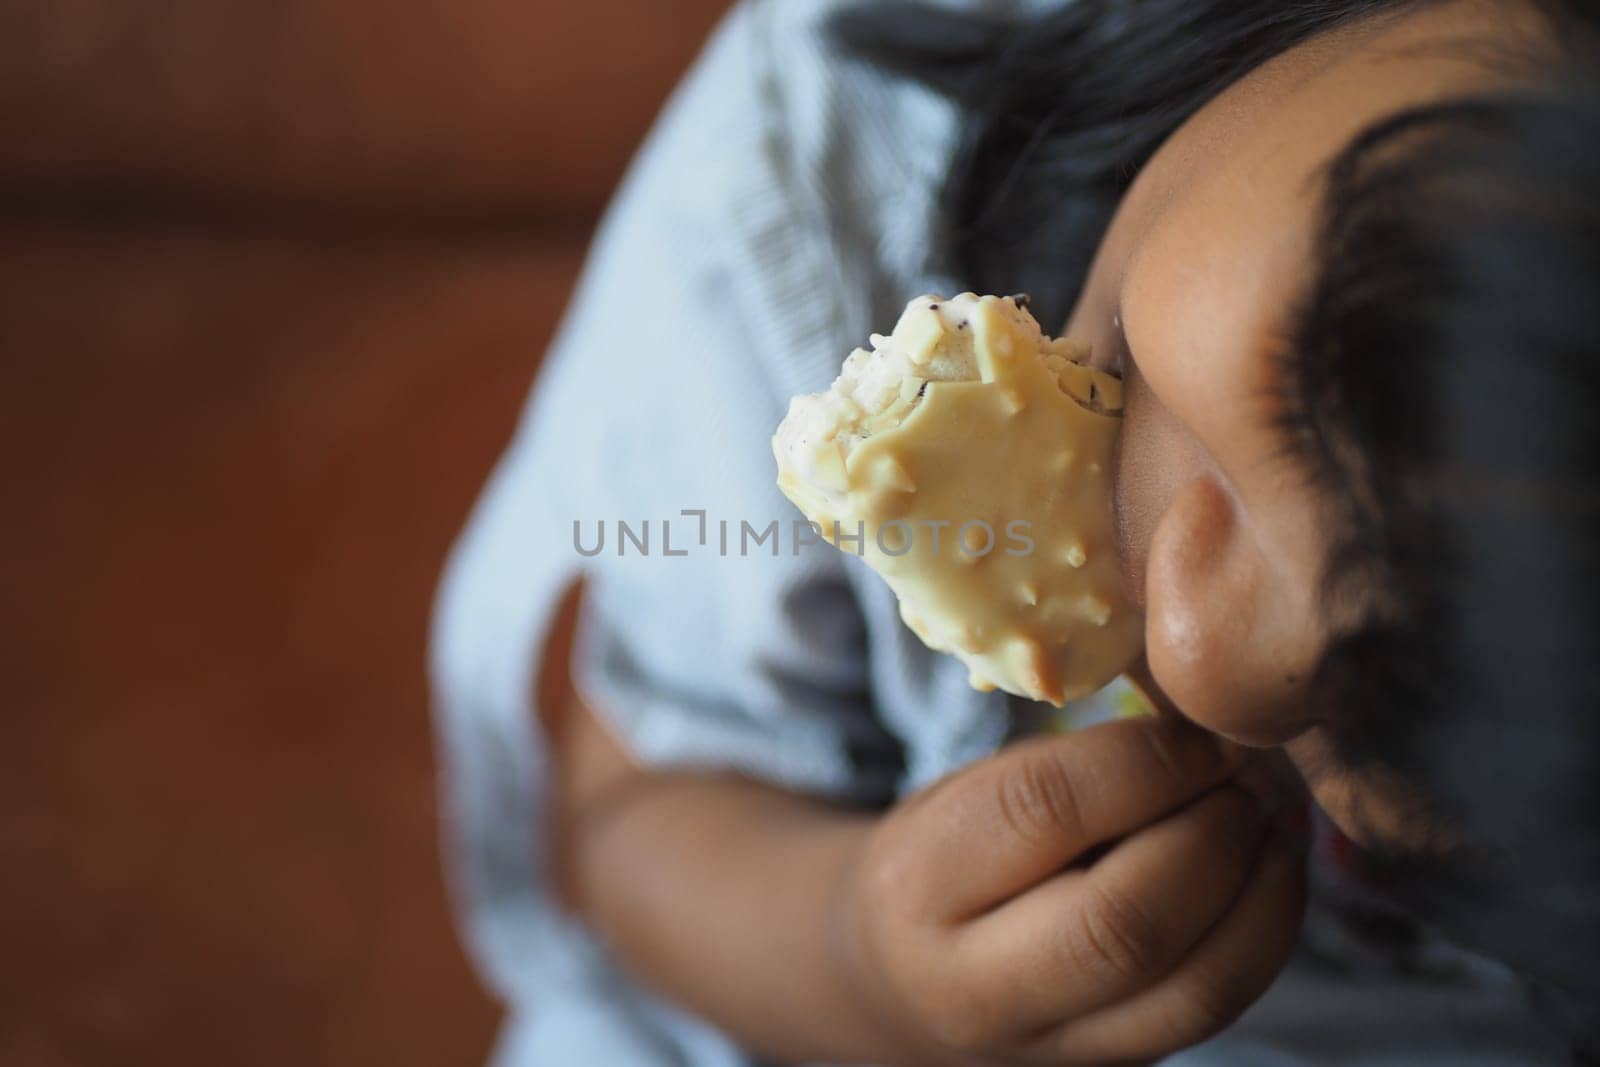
(983, 918)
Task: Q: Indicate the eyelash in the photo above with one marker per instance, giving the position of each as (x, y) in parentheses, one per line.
(1299, 432)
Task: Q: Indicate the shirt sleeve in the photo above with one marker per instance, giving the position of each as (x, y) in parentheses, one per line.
(642, 462)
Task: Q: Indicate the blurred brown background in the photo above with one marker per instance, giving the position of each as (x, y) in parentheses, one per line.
(274, 278)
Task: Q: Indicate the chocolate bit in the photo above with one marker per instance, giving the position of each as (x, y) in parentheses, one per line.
(921, 389)
(933, 307)
(1022, 300)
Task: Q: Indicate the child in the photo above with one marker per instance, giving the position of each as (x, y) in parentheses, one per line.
(1344, 257)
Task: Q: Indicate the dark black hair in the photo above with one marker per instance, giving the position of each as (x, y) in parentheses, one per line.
(1442, 383)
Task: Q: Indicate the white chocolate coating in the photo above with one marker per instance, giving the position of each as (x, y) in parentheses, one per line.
(967, 419)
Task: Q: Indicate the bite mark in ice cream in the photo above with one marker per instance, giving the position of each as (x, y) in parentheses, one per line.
(968, 419)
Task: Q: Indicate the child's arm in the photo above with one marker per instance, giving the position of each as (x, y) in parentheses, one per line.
(963, 924)
(715, 890)
(712, 888)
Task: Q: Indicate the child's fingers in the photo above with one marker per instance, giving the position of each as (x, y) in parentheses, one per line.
(1088, 938)
(1222, 976)
(1013, 820)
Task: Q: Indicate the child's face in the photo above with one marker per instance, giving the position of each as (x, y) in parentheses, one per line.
(1220, 532)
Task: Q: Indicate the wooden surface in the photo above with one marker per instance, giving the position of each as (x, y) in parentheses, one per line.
(243, 411)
